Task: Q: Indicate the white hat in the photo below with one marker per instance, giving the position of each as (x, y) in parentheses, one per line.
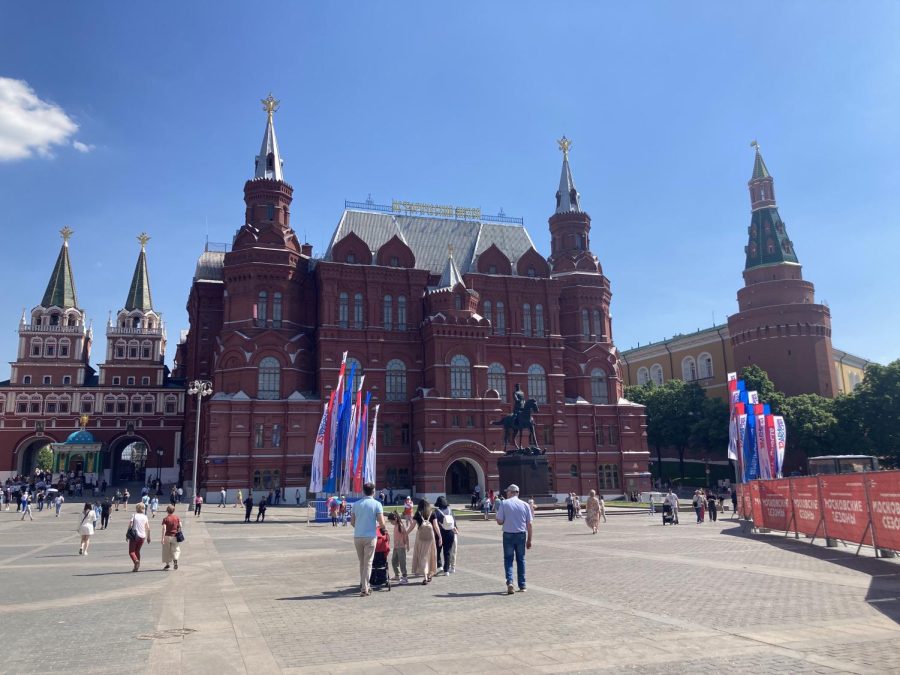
(513, 488)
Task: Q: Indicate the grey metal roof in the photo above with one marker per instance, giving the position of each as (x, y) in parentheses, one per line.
(269, 146)
(431, 238)
(451, 276)
(567, 198)
(209, 266)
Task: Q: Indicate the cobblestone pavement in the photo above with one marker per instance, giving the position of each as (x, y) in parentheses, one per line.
(279, 597)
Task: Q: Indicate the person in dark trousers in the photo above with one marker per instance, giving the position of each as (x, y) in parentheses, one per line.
(733, 502)
(570, 507)
(261, 512)
(104, 514)
(447, 526)
(248, 508)
(712, 506)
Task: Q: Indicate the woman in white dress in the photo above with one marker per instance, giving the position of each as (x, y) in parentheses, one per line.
(86, 528)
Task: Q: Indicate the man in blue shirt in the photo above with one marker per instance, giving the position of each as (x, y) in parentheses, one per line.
(366, 516)
(515, 517)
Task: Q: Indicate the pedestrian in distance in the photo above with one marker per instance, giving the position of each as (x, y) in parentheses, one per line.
(712, 506)
(297, 496)
(126, 495)
(425, 552)
(86, 528)
(516, 519)
(154, 506)
(672, 500)
(171, 547)
(261, 509)
(602, 507)
(447, 528)
(696, 502)
(401, 545)
(58, 502)
(26, 506)
(342, 511)
(198, 504)
(592, 512)
(368, 513)
(140, 527)
(408, 510)
(734, 503)
(223, 495)
(104, 514)
(248, 508)
(570, 507)
(334, 507)
(239, 500)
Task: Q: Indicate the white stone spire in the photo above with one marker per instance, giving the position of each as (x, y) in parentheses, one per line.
(567, 197)
(268, 162)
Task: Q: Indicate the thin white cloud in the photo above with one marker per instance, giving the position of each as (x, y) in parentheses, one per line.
(82, 147)
(29, 125)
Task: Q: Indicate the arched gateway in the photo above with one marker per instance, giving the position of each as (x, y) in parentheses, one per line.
(461, 478)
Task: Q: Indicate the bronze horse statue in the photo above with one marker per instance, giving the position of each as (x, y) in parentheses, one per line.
(514, 425)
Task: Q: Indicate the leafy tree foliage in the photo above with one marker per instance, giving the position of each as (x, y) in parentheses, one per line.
(45, 458)
(811, 424)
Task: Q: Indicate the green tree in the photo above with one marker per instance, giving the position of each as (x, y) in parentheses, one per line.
(756, 379)
(878, 407)
(811, 424)
(645, 395)
(45, 458)
(710, 430)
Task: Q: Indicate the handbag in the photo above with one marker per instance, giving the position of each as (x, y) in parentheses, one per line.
(130, 534)
(179, 536)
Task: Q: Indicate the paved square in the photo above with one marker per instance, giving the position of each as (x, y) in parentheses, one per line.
(279, 597)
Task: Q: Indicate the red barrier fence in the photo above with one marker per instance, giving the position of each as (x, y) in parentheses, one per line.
(862, 508)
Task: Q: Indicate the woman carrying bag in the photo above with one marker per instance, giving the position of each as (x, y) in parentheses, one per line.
(138, 531)
(172, 537)
(86, 528)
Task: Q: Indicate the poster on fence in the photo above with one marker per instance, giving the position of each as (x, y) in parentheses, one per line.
(844, 507)
(807, 511)
(775, 498)
(745, 503)
(884, 496)
(756, 504)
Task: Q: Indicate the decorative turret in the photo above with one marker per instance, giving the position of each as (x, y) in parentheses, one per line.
(569, 226)
(769, 243)
(61, 287)
(269, 163)
(139, 292)
(567, 197)
(451, 297)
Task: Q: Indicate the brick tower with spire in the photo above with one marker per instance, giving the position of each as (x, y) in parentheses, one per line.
(779, 327)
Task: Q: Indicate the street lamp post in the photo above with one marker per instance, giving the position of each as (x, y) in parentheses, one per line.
(707, 471)
(198, 388)
(159, 456)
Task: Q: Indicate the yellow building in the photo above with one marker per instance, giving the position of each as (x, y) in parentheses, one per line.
(706, 357)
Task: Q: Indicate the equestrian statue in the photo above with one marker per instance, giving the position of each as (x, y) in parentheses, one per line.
(520, 419)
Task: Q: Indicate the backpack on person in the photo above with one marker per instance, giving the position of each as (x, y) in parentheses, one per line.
(447, 521)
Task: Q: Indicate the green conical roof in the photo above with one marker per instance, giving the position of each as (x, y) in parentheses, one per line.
(769, 242)
(139, 293)
(759, 167)
(61, 288)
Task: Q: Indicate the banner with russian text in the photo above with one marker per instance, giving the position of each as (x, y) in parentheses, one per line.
(807, 506)
(756, 504)
(884, 497)
(844, 507)
(315, 480)
(775, 497)
(780, 443)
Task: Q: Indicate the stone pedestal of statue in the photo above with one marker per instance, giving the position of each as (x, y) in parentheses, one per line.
(531, 473)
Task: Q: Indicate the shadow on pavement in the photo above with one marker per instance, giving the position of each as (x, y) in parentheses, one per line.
(352, 591)
(105, 574)
(470, 595)
(884, 589)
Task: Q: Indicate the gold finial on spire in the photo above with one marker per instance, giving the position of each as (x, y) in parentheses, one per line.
(66, 234)
(270, 105)
(143, 237)
(84, 420)
(754, 144)
(564, 145)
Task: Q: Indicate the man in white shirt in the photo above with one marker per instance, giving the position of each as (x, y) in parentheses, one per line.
(223, 494)
(515, 517)
(672, 500)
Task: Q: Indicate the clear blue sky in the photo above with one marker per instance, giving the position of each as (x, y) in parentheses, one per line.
(460, 103)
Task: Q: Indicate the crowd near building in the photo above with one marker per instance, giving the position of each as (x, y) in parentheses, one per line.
(443, 310)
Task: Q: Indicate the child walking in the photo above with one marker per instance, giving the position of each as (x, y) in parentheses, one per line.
(401, 544)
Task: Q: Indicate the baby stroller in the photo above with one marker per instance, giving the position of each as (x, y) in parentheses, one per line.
(380, 577)
(667, 515)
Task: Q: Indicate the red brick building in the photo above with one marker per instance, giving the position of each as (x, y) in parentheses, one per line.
(779, 326)
(134, 410)
(443, 310)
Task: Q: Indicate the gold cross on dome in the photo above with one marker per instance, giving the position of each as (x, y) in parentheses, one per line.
(143, 237)
(564, 145)
(66, 234)
(270, 105)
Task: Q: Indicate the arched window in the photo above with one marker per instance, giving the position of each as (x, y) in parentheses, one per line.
(460, 377)
(526, 320)
(401, 312)
(598, 324)
(706, 366)
(457, 302)
(688, 369)
(50, 348)
(357, 373)
(539, 320)
(34, 405)
(120, 349)
(487, 311)
(262, 308)
(145, 349)
(656, 373)
(343, 310)
(585, 324)
(276, 309)
(537, 383)
(37, 346)
(149, 405)
(171, 405)
(21, 404)
(109, 405)
(87, 404)
(573, 470)
(643, 376)
(500, 328)
(497, 379)
(26, 379)
(396, 380)
(357, 310)
(50, 406)
(64, 348)
(133, 347)
(388, 312)
(121, 404)
(599, 389)
(269, 379)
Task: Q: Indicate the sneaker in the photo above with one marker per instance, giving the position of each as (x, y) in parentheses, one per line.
(176, 564)
(522, 589)
(396, 577)
(510, 589)
(166, 567)
(452, 569)
(404, 581)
